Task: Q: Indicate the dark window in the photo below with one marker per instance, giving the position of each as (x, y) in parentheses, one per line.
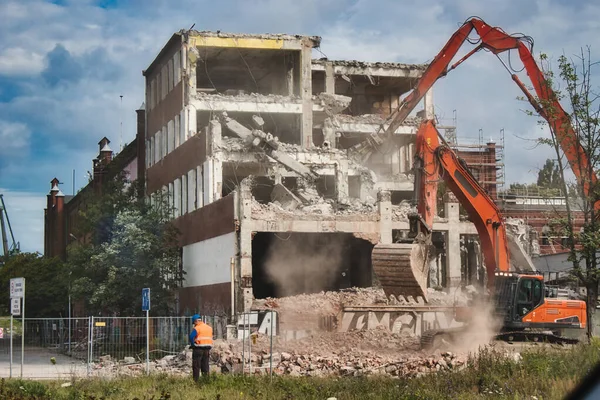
(537, 292)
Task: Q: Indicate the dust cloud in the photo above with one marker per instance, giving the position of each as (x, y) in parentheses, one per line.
(308, 264)
(481, 328)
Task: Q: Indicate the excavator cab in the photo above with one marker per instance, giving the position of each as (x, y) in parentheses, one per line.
(522, 305)
(516, 296)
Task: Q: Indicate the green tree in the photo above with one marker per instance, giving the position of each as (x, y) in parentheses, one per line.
(549, 177)
(574, 75)
(133, 245)
(45, 285)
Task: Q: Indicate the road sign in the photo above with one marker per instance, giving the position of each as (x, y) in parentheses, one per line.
(15, 306)
(146, 299)
(17, 286)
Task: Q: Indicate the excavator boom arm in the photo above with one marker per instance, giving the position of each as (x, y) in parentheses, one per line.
(546, 104)
(438, 161)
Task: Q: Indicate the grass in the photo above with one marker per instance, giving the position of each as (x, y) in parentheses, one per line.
(541, 374)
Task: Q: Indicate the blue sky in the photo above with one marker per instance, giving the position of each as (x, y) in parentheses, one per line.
(64, 64)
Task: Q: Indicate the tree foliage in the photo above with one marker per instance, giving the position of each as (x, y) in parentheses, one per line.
(575, 89)
(46, 292)
(133, 245)
(549, 176)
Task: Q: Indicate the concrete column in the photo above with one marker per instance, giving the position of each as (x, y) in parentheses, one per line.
(200, 185)
(245, 242)
(190, 56)
(451, 212)
(207, 195)
(402, 158)
(395, 159)
(217, 171)
(365, 190)
(384, 200)
(428, 104)
(289, 80)
(329, 132)
(341, 177)
(213, 137)
(190, 124)
(329, 78)
(306, 93)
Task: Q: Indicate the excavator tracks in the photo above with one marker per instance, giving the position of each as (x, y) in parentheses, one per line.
(533, 336)
(432, 339)
(402, 268)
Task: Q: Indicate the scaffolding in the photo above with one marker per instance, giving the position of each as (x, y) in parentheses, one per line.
(484, 158)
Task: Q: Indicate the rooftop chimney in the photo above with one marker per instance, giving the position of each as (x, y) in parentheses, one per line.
(105, 150)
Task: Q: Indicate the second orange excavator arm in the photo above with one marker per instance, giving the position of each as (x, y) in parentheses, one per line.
(435, 161)
(546, 104)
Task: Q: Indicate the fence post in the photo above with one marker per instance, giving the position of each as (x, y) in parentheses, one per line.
(244, 344)
(89, 344)
(147, 342)
(271, 351)
(23, 332)
(249, 347)
(11, 343)
(92, 342)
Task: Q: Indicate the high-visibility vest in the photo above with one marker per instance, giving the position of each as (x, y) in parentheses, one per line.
(204, 335)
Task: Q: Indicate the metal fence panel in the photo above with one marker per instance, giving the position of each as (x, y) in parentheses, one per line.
(63, 348)
(54, 347)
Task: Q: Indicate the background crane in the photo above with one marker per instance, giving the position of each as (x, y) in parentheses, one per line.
(4, 223)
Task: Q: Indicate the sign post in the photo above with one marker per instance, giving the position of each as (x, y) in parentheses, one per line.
(17, 294)
(146, 307)
(15, 309)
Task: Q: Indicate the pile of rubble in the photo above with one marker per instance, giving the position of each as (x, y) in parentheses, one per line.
(338, 354)
(297, 364)
(323, 303)
(331, 303)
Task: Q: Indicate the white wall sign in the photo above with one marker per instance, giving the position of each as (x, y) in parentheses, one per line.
(17, 286)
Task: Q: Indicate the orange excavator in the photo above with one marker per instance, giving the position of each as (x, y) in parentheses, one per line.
(519, 300)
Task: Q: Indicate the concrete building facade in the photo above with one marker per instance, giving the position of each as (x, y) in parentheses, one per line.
(255, 144)
(253, 141)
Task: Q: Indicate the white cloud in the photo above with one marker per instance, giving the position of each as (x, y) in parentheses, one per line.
(16, 61)
(26, 213)
(14, 137)
(115, 45)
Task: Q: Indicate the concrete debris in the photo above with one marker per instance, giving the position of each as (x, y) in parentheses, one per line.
(370, 119)
(332, 103)
(355, 354)
(242, 97)
(277, 36)
(451, 297)
(400, 212)
(332, 303)
(323, 303)
(363, 64)
(286, 199)
(517, 232)
(321, 209)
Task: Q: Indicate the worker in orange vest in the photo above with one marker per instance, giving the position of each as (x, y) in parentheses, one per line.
(201, 341)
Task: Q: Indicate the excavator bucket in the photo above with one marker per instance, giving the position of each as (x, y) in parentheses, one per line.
(403, 268)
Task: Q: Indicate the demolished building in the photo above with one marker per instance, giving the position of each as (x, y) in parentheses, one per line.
(253, 141)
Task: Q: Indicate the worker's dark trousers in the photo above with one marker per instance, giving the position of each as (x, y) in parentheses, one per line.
(200, 357)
